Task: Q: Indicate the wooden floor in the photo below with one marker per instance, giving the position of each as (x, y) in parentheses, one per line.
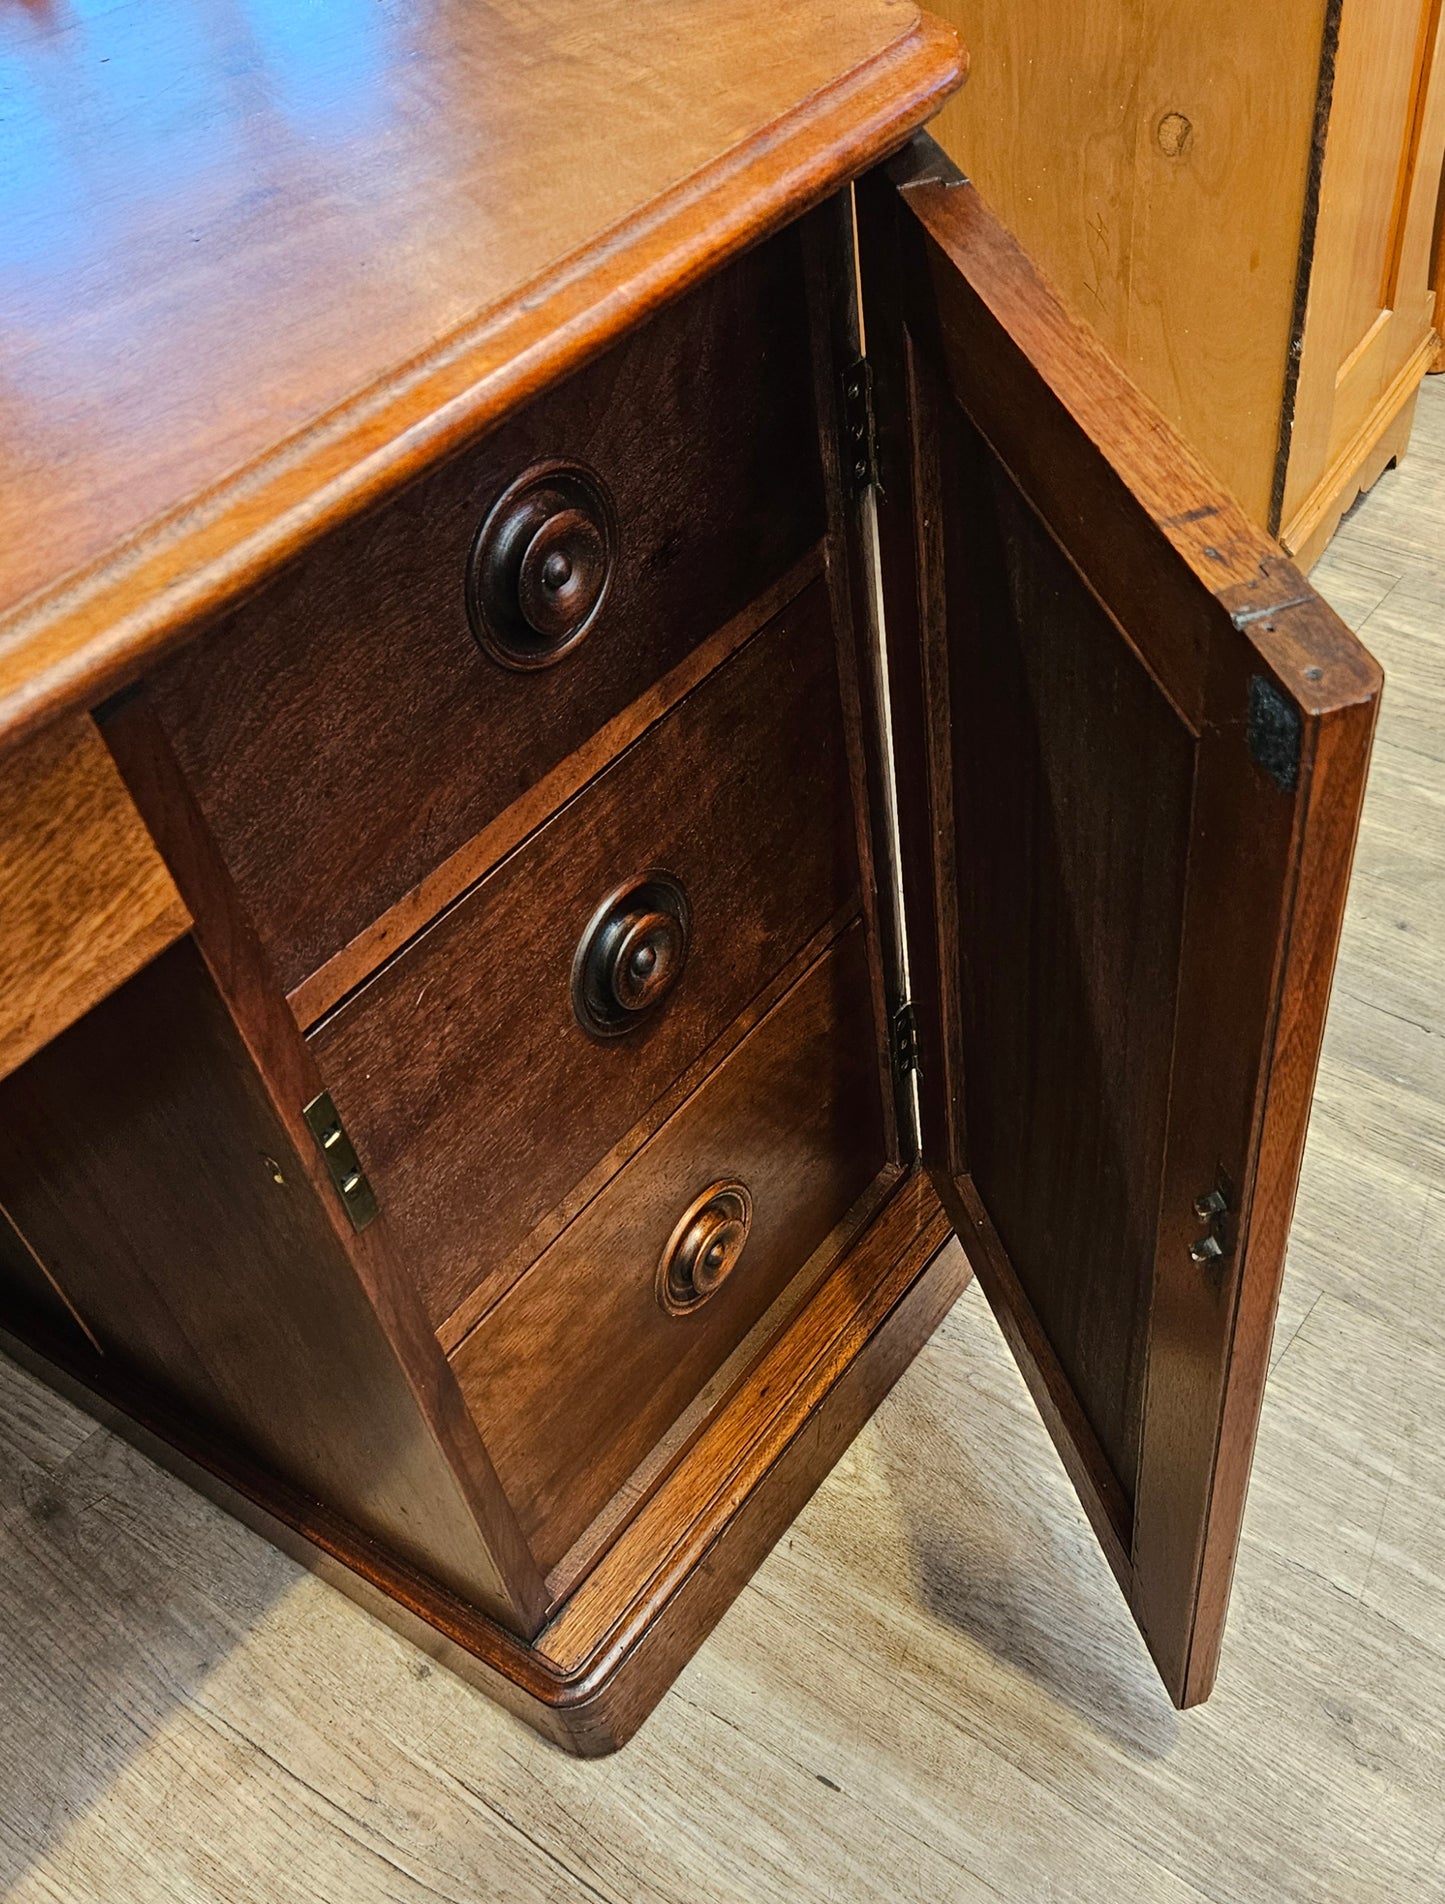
(931, 1690)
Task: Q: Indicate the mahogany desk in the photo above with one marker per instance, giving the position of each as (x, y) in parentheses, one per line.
(565, 823)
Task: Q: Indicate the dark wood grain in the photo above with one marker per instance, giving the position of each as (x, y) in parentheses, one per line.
(1190, 1517)
(344, 733)
(580, 1369)
(140, 1158)
(476, 1098)
(431, 228)
(1072, 781)
(1129, 989)
(504, 1271)
(434, 223)
(383, 936)
(1013, 703)
(721, 1391)
(623, 1636)
(32, 1296)
(287, 1075)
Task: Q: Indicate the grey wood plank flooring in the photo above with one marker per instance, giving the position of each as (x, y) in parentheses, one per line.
(930, 1691)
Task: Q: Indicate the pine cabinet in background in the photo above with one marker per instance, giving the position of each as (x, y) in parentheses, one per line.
(1244, 202)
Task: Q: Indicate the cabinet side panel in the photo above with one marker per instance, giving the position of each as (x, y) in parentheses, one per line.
(141, 1161)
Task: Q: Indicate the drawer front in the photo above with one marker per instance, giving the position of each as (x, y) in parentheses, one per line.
(586, 1363)
(347, 731)
(474, 1094)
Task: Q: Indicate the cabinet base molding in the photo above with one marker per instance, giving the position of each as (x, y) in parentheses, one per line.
(1381, 440)
(614, 1645)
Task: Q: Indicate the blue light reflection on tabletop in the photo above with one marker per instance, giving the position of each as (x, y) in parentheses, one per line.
(109, 113)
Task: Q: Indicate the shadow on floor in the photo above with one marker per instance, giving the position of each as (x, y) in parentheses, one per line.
(1002, 1552)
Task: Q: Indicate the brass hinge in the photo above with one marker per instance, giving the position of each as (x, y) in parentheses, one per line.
(1214, 1210)
(905, 1038)
(343, 1166)
(860, 430)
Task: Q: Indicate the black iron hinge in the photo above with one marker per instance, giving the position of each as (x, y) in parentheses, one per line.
(860, 430)
(1275, 732)
(905, 1038)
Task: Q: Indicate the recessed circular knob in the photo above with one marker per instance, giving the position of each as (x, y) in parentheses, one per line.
(540, 566)
(704, 1248)
(631, 954)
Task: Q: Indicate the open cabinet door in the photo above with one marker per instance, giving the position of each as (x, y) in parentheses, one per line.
(1131, 746)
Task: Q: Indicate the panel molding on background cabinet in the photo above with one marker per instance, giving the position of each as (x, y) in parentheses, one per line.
(1369, 333)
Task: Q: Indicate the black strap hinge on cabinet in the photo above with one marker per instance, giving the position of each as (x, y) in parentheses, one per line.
(905, 1038)
(859, 449)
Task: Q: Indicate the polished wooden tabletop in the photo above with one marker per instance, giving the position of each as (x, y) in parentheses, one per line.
(262, 259)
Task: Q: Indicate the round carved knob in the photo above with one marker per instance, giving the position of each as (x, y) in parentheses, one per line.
(540, 566)
(631, 954)
(703, 1250)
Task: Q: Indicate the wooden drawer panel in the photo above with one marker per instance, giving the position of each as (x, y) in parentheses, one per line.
(344, 733)
(85, 900)
(579, 1371)
(473, 1094)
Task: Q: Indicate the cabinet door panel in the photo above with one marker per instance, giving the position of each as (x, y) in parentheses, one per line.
(1131, 752)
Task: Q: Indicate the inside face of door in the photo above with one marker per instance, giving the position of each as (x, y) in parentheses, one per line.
(1131, 747)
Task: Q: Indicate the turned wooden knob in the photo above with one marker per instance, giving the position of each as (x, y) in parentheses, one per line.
(631, 955)
(704, 1248)
(540, 566)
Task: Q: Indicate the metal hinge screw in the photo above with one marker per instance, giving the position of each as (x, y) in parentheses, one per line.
(1212, 1209)
(860, 430)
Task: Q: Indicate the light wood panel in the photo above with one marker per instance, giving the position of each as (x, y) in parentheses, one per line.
(1369, 331)
(929, 1691)
(263, 265)
(84, 898)
(1153, 159)
(1244, 203)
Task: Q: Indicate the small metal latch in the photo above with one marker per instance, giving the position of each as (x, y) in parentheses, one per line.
(860, 429)
(343, 1166)
(905, 1037)
(1212, 1209)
